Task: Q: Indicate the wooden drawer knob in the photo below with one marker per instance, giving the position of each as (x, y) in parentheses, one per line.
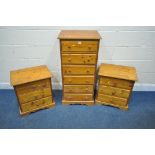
(79, 42)
(109, 82)
(69, 81)
(114, 84)
(88, 71)
(87, 89)
(87, 81)
(113, 93)
(69, 47)
(69, 59)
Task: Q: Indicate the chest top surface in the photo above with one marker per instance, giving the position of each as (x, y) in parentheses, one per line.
(79, 34)
(27, 75)
(118, 71)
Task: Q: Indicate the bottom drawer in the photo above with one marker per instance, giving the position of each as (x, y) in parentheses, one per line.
(36, 104)
(78, 97)
(112, 100)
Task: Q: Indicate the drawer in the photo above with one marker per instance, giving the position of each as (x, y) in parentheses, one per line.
(34, 95)
(113, 91)
(79, 46)
(77, 59)
(79, 89)
(78, 80)
(112, 100)
(116, 82)
(78, 97)
(33, 86)
(36, 104)
(78, 69)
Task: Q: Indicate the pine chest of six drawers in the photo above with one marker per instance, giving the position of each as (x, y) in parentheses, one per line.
(79, 53)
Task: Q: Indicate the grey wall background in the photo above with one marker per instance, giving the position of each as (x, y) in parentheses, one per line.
(29, 46)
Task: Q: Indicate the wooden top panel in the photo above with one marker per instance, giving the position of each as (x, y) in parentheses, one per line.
(79, 34)
(26, 75)
(118, 71)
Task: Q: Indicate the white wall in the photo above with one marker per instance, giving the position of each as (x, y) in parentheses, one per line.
(29, 46)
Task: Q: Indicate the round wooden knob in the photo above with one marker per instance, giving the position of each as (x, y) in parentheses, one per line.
(114, 84)
(70, 81)
(86, 97)
(109, 82)
(111, 101)
(113, 93)
(87, 89)
(69, 47)
(87, 81)
(88, 71)
(69, 59)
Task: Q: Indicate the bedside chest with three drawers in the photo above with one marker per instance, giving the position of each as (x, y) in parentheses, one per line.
(115, 85)
(33, 88)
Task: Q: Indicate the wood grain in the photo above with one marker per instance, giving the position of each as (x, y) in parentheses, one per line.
(79, 34)
(79, 53)
(33, 88)
(27, 75)
(113, 91)
(118, 71)
(78, 70)
(79, 59)
(87, 89)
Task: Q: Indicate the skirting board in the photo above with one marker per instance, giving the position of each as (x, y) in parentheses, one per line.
(57, 86)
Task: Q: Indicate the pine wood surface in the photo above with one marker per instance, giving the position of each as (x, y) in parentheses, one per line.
(31, 74)
(115, 85)
(79, 34)
(79, 53)
(79, 59)
(33, 88)
(118, 71)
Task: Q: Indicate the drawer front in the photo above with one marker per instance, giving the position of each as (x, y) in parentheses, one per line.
(78, 69)
(34, 95)
(33, 86)
(88, 89)
(116, 82)
(36, 104)
(79, 59)
(78, 97)
(80, 46)
(78, 80)
(112, 100)
(107, 90)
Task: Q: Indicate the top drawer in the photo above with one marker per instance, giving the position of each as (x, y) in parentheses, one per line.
(33, 86)
(79, 46)
(113, 82)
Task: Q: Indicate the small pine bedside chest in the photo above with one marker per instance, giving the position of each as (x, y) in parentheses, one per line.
(79, 54)
(115, 85)
(33, 88)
